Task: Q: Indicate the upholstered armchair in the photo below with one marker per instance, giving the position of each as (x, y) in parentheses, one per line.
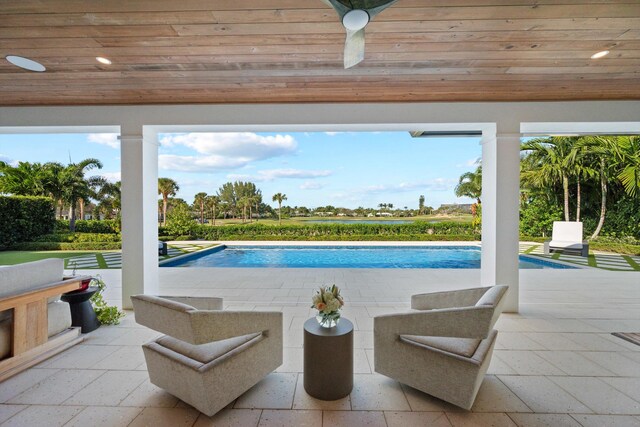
(208, 356)
(444, 347)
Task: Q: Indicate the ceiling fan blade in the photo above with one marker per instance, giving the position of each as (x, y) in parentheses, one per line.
(354, 48)
(376, 10)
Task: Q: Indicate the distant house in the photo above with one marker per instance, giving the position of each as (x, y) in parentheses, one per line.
(384, 214)
(454, 207)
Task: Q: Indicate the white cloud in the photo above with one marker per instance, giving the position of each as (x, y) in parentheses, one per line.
(108, 139)
(8, 160)
(310, 185)
(223, 150)
(438, 184)
(271, 174)
(111, 176)
(332, 133)
(199, 164)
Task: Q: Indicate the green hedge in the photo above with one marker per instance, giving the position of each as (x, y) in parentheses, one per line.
(107, 226)
(416, 231)
(63, 246)
(24, 218)
(79, 238)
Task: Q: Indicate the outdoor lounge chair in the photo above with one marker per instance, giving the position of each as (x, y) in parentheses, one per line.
(208, 356)
(445, 348)
(567, 237)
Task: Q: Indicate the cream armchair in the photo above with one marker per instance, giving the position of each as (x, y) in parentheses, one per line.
(444, 349)
(208, 357)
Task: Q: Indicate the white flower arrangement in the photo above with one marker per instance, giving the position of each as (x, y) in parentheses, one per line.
(328, 302)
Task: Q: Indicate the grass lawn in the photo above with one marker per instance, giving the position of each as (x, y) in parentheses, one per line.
(17, 257)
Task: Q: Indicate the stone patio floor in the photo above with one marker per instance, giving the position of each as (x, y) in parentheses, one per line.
(555, 364)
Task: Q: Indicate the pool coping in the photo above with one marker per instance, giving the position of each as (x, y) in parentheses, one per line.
(385, 243)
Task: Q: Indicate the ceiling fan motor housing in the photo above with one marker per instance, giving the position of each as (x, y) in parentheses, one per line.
(355, 19)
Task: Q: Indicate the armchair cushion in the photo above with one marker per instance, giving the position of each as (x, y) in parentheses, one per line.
(465, 347)
(206, 353)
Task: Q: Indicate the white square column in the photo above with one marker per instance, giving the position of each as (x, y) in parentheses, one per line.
(139, 170)
(500, 214)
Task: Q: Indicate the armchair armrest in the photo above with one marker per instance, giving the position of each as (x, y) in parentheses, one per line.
(447, 299)
(464, 322)
(201, 303)
(219, 325)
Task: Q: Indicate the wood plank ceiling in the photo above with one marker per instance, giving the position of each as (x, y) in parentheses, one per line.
(238, 51)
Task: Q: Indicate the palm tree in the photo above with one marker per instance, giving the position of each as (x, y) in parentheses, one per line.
(199, 201)
(470, 185)
(25, 179)
(213, 202)
(166, 187)
(629, 160)
(109, 198)
(77, 187)
(552, 163)
(52, 181)
(279, 197)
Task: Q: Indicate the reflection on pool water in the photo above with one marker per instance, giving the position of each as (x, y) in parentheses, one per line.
(345, 257)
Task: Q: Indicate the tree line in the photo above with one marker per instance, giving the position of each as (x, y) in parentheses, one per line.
(587, 179)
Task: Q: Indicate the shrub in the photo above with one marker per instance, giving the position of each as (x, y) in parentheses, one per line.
(107, 226)
(79, 238)
(24, 218)
(180, 222)
(418, 230)
(65, 246)
(537, 216)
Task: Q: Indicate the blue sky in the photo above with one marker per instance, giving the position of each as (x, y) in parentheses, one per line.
(346, 169)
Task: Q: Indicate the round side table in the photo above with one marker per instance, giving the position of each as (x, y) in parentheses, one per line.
(328, 359)
(82, 313)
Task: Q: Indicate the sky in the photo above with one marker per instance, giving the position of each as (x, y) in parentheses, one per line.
(343, 169)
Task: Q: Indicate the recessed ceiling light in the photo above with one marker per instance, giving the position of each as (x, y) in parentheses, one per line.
(600, 54)
(26, 63)
(102, 60)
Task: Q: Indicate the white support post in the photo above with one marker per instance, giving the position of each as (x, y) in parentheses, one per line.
(500, 214)
(139, 169)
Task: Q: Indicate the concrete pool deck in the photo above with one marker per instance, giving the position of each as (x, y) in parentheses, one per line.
(555, 364)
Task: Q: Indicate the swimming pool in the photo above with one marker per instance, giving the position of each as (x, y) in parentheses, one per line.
(281, 256)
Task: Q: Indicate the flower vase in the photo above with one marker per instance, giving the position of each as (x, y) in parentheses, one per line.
(329, 320)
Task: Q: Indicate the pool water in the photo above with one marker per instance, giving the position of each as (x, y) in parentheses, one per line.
(345, 257)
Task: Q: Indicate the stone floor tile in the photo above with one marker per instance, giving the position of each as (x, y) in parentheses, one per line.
(353, 419)
(516, 341)
(104, 335)
(292, 360)
(290, 418)
(494, 396)
(468, 419)
(498, 367)
(43, 416)
(276, 391)
(629, 386)
(419, 401)
(614, 362)
(80, 357)
(607, 420)
(302, 400)
(360, 362)
(599, 396)
(542, 395)
(527, 363)
(58, 387)
(554, 340)
(135, 336)
(231, 418)
(377, 392)
(417, 419)
(8, 411)
(544, 420)
(23, 381)
(594, 342)
(104, 416)
(165, 417)
(573, 363)
(125, 358)
(108, 390)
(149, 395)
